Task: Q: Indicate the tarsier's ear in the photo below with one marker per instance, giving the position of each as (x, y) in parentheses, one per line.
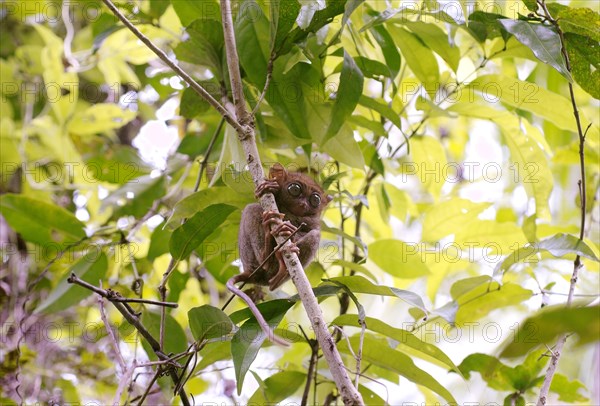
(277, 172)
(329, 198)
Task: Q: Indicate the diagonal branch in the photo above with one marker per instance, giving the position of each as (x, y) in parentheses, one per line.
(133, 319)
(246, 134)
(182, 74)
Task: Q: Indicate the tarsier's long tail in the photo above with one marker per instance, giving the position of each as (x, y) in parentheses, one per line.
(259, 317)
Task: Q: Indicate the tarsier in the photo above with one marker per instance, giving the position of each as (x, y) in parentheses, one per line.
(301, 201)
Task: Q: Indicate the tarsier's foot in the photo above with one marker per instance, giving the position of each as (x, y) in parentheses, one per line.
(282, 274)
(271, 217)
(268, 186)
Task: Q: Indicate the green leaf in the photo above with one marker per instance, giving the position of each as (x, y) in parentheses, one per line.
(531, 169)
(356, 268)
(370, 397)
(192, 103)
(271, 308)
(90, 268)
(61, 86)
(558, 245)
(406, 339)
(388, 48)
(277, 387)
(175, 340)
(191, 234)
(359, 284)
(382, 108)
(285, 92)
(407, 261)
(429, 160)
(437, 40)
(466, 285)
(486, 297)
(581, 20)
(355, 240)
(252, 36)
(585, 62)
(136, 196)
(176, 285)
(548, 324)
(496, 238)
(282, 20)
(122, 165)
(419, 58)
(498, 376)
(378, 353)
(220, 249)
(100, 118)
(484, 26)
(159, 242)
(529, 97)
(347, 95)
(204, 46)
(247, 341)
(568, 390)
(542, 40)
(40, 222)
(191, 10)
(212, 352)
(379, 18)
(531, 5)
(373, 68)
(189, 205)
(446, 217)
(319, 19)
(208, 322)
(158, 7)
(345, 149)
(402, 204)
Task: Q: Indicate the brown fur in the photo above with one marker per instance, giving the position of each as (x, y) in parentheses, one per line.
(255, 240)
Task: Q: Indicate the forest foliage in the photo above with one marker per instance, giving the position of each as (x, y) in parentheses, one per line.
(444, 130)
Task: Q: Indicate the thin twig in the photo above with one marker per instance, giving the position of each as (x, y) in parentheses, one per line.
(111, 334)
(259, 267)
(267, 83)
(134, 320)
(204, 162)
(577, 265)
(123, 382)
(113, 296)
(314, 358)
(162, 291)
(163, 56)
(154, 378)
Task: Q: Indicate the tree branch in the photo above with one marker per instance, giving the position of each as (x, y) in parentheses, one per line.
(182, 74)
(349, 393)
(577, 265)
(133, 319)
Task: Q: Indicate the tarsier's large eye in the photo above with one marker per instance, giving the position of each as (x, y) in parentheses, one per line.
(294, 189)
(314, 200)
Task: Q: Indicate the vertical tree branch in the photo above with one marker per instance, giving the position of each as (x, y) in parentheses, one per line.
(582, 194)
(349, 393)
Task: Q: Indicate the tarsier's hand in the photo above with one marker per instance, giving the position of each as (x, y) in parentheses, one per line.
(268, 186)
